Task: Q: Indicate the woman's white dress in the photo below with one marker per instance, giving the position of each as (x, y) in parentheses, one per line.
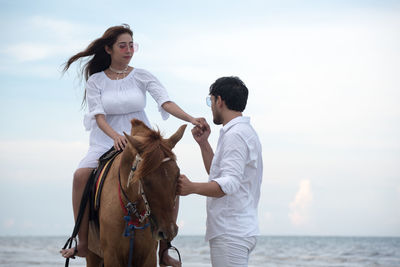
(120, 101)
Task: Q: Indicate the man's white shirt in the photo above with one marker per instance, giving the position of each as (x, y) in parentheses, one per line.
(237, 167)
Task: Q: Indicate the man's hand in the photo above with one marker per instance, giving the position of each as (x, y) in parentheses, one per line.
(200, 122)
(201, 134)
(209, 189)
(185, 186)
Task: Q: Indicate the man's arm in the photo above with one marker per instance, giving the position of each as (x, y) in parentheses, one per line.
(209, 189)
(201, 136)
(208, 154)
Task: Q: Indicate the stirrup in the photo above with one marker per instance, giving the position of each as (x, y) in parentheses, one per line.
(169, 246)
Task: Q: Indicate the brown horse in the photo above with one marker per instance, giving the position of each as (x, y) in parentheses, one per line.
(154, 181)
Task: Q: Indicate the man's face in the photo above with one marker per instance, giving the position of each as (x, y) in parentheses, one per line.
(216, 111)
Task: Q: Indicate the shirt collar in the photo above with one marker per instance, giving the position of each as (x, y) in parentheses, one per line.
(231, 123)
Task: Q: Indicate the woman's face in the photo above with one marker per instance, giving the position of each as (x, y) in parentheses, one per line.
(122, 50)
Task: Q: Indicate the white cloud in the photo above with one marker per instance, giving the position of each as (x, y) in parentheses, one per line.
(56, 26)
(9, 223)
(29, 51)
(53, 37)
(300, 207)
(55, 29)
(39, 160)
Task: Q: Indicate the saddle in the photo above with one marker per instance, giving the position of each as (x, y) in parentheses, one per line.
(97, 179)
(99, 176)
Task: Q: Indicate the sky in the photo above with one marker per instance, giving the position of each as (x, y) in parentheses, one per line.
(324, 91)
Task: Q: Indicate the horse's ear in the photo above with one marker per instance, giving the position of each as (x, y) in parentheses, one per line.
(176, 136)
(138, 126)
(136, 142)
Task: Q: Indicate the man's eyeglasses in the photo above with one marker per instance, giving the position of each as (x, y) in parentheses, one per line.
(208, 100)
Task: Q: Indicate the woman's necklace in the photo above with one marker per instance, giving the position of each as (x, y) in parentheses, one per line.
(118, 72)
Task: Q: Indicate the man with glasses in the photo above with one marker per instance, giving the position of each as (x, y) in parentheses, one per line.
(235, 174)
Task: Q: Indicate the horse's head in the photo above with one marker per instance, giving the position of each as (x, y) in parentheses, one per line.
(158, 172)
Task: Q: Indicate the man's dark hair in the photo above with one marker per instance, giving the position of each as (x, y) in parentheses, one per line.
(232, 90)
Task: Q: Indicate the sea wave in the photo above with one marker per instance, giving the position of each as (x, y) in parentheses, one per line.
(282, 251)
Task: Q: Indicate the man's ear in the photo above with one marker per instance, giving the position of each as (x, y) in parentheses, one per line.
(218, 101)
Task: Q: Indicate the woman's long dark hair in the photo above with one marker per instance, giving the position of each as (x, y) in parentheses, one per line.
(99, 60)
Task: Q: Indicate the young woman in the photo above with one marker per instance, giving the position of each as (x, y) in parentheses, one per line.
(115, 94)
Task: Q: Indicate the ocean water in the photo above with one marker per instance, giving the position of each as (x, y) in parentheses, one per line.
(270, 251)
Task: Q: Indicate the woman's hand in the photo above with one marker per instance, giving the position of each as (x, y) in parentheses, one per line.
(119, 142)
(199, 122)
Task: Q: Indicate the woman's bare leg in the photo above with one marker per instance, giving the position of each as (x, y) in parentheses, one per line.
(81, 176)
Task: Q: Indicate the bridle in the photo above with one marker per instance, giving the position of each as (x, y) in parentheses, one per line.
(130, 209)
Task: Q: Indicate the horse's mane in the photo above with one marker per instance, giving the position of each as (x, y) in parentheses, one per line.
(155, 150)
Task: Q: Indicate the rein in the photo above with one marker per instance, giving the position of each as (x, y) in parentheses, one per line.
(130, 209)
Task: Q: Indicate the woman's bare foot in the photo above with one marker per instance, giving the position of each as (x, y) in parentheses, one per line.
(79, 251)
(169, 261)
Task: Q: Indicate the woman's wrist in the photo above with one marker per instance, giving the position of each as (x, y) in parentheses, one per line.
(192, 120)
(114, 135)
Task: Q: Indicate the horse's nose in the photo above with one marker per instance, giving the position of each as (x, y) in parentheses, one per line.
(162, 235)
(168, 235)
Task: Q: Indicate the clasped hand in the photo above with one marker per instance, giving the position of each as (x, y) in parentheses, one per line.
(201, 132)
